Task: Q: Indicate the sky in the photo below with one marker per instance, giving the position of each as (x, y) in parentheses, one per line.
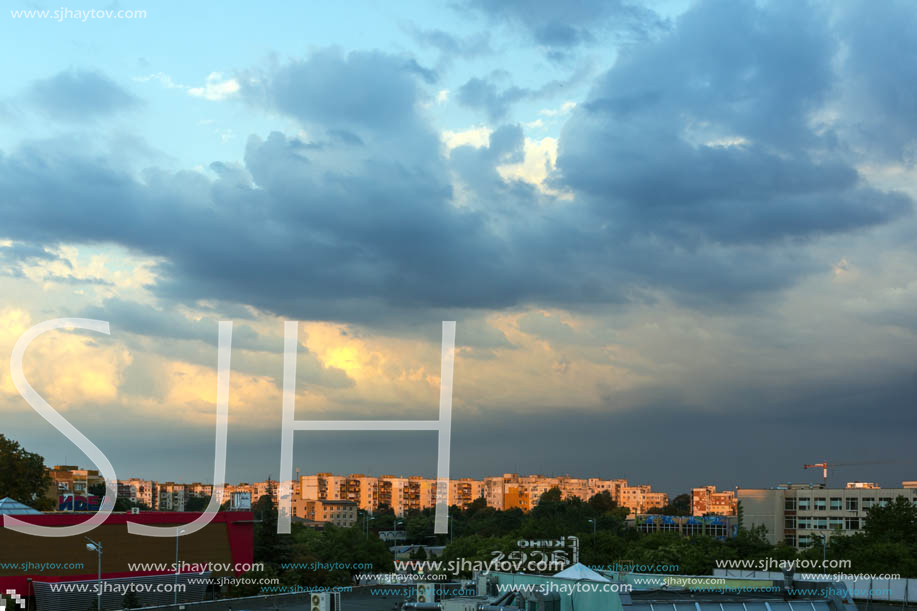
(677, 238)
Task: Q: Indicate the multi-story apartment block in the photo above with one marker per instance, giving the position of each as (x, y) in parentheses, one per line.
(462, 492)
(362, 490)
(493, 492)
(571, 487)
(508, 491)
(337, 512)
(323, 486)
(170, 497)
(72, 479)
(707, 501)
(641, 499)
(138, 491)
(801, 514)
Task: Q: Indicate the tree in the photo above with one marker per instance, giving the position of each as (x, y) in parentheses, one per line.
(23, 476)
(121, 503)
(602, 502)
(892, 523)
(419, 554)
(269, 545)
(680, 506)
(197, 503)
(130, 600)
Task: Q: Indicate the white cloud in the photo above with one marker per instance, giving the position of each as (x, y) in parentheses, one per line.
(216, 88)
(540, 158)
(477, 137)
(554, 112)
(164, 79)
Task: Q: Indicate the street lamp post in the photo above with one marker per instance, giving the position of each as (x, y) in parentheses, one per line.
(366, 523)
(178, 533)
(593, 530)
(96, 546)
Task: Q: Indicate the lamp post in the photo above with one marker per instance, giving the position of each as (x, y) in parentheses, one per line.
(96, 546)
(451, 528)
(593, 531)
(178, 533)
(366, 523)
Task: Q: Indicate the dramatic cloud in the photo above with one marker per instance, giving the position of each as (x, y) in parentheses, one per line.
(709, 138)
(716, 239)
(562, 26)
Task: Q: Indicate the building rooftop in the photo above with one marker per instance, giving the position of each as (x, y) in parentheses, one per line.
(10, 507)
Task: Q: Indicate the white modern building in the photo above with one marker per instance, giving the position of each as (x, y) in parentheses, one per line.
(801, 514)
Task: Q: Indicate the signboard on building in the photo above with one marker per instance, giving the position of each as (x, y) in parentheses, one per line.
(393, 535)
(240, 501)
(72, 502)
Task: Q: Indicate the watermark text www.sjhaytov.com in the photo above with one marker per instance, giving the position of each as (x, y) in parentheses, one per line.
(66, 14)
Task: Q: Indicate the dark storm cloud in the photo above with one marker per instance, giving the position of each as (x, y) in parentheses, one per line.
(79, 95)
(705, 135)
(21, 252)
(561, 26)
(485, 95)
(743, 440)
(490, 95)
(366, 89)
(694, 165)
(146, 320)
(880, 93)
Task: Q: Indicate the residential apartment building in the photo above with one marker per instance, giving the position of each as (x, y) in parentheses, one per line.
(72, 479)
(801, 514)
(338, 513)
(508, 491)
(707, 501)
(170, 497)
(322, 486)
(362, 490)
(641, 499)
(462, 492)
(138, 491)
(493, 492)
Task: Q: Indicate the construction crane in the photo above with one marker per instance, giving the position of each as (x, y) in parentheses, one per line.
(824, 466)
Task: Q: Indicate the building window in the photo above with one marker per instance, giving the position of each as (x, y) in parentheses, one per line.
(852, 504)
(852, 523)
(820, 504)
(804, 523)
(791, 540)
(820, 523)
(789, 522)
(868, 502)
(790, 504)
(804, 540)
(803, 504)
(885, 500)
(835, 523)
(836, 504)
